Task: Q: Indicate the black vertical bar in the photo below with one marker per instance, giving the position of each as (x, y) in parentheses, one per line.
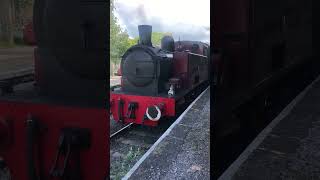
(31, 128)
(120, 107)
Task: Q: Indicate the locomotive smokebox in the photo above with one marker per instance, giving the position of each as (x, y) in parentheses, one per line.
(145, 32)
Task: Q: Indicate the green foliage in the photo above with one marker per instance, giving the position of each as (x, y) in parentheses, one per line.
(20, 4)
(4, 44)
(133, 41)
(120, 168)
(157, 36)
(119, 39)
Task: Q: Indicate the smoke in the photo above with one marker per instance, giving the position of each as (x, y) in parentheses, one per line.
(130, 17)
(141, 14)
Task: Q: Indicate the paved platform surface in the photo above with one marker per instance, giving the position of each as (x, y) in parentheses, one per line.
(16, 59)
(184, 152)
(289, 147)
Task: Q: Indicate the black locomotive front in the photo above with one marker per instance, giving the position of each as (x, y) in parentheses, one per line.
(146, 69)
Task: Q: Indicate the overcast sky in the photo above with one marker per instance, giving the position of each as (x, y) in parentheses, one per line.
(185, 18)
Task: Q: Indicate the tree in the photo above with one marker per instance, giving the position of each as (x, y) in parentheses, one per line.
(7, 21)
(120, 41)
(23, 13)
(114, 30)
(133, 41)
(155, 38)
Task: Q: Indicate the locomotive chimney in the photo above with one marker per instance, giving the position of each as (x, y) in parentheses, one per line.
(145, 32)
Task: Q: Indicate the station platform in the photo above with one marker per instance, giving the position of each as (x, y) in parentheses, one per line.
(16, 59)
(288, 148)
(182, 152)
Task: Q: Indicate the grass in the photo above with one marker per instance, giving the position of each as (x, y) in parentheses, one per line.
(17, 43)
(6, 45)
(126, 163)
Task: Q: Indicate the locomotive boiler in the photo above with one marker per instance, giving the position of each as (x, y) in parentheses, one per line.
(155, 81)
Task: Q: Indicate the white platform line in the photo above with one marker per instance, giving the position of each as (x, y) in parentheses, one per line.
(166, 133)
(234, 167)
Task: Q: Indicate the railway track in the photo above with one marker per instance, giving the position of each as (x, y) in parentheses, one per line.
(121, 130)
(128, 145)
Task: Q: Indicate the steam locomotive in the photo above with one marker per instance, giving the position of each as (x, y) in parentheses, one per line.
(53, 120)
(156, 81)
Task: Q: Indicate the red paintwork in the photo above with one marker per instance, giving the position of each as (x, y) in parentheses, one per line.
(94, 161)
(119, 72)
(187, 45)
(143, 102)
(180, 67)
(186, 66)
(28, 34)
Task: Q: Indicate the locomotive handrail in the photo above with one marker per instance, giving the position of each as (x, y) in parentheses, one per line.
(198, 54)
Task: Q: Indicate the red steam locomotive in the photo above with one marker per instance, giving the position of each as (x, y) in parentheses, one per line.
(53, 121)
(156, 81)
